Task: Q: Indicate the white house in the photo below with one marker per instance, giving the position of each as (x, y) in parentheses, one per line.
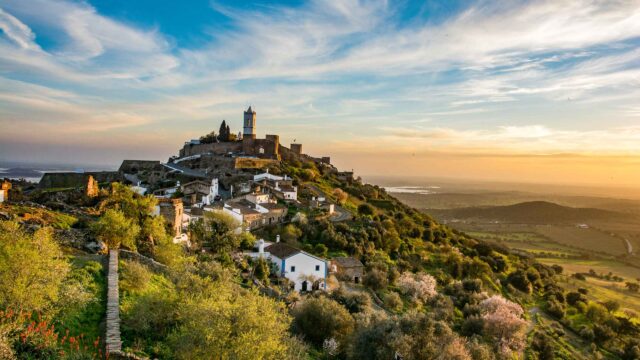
(281, 187)
(305, 271)
(213, 193)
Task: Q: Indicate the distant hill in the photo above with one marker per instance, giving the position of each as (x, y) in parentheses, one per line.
(532, 212)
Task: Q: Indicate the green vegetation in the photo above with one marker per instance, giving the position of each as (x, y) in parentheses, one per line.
(195, 313)
(429, 291)
(49, 307)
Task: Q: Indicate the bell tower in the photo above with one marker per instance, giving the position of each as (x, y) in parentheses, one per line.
(249, 130)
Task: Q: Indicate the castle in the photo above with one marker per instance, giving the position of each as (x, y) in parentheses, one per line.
(248, 145)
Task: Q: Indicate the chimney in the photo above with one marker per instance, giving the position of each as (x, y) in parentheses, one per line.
(277, 238)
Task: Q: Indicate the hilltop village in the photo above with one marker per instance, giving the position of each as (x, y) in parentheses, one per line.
(238, 175)
(240, 247)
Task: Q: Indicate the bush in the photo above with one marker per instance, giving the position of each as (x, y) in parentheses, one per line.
(504, 324)
(321, 318)
(366, 209)
(420, 287)
(376, 279)
(392, 301)
(32, 269)
(555, 308)
(133, 276)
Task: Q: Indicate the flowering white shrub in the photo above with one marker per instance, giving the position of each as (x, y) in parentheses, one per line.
(420, 286)
(330, 346)
(504, 323)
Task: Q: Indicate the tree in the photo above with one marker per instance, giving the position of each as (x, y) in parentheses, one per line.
(633, 287)
(376, 279)
(224, 131)
(232, 324)
(392, 301)
(209, 138)
(366, 209)
(340, 195)
(420, 287)
(318, 319)
(291, 233)
(32, 269)
(504, 324)
(611, 305)
(221, 231)
(116, 230)
(261, 270)
(152, 232)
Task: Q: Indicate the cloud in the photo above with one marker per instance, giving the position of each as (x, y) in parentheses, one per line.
(530, 140)
(88, 46)
(17, 31)
(368, 70)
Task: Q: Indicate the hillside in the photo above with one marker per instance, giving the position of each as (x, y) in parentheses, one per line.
(427, 291)
(532, 212)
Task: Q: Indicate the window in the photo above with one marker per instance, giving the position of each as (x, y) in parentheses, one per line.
(317, 267)
(293, 269)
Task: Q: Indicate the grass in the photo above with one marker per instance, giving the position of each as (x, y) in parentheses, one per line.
(87, 320)
(600, 291)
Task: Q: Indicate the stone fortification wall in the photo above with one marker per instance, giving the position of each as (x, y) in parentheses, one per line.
(76, 180)
(221, 148)
(252, 163)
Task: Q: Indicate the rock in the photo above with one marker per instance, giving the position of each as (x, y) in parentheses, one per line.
(96, 246)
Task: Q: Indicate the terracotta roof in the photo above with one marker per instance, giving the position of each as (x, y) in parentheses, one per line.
(348, 262)
(281, 250)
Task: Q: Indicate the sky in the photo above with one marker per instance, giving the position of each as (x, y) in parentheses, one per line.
(532, 91)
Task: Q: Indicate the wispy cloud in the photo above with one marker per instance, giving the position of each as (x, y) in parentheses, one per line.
(348, 71)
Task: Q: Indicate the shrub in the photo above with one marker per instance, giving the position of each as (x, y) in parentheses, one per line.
(321, 318)
(376, 279)
(366, 209)
(133, 276)
(392, 301)
(116, 230)
(504, 324)
(32, 269)
(420, 286)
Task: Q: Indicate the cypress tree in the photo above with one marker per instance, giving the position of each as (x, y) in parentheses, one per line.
(223, 133)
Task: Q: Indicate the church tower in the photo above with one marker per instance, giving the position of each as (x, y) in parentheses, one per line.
(249, 130)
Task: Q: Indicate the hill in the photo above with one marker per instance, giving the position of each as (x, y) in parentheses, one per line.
(532, 212)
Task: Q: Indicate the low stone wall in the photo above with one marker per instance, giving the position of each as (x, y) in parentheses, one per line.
(113, 343)
(152, 264)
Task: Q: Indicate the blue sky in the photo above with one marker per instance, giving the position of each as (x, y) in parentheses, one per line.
(374, 84)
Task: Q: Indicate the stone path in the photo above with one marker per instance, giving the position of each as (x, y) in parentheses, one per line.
(112, 340)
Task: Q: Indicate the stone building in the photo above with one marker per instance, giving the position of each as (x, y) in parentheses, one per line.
(348, 268)
(255, 215)
(172, 211)
(4, 191)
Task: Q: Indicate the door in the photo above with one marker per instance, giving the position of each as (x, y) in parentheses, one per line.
(304, 285)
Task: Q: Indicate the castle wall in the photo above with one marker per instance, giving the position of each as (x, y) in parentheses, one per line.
(269, 147)
(252, 163)
(221, 148)
(76, 180)
(135, 166)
